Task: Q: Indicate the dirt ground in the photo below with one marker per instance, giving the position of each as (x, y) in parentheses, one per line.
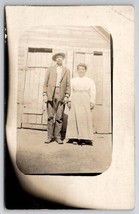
(35, 157)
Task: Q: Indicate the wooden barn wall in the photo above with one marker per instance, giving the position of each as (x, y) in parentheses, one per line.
(72, 46)
(22, 58)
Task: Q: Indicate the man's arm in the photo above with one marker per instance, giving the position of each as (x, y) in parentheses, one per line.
(92, 94)
(45, 86)
(68, 86)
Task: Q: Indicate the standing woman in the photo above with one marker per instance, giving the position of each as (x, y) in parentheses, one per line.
(81, 103)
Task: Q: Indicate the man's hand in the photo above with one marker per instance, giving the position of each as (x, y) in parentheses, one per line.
(69, 104)
(65, 100)
(92, 105)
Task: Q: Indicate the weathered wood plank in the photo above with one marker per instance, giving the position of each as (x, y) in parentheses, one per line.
(31, 118)
(38, 119)
(79, 57)
(72, 40)
(24, 118)
(40, 90)
(69, 61)
(31, 110)
(27, 100)
(34, 126)
(97, 71)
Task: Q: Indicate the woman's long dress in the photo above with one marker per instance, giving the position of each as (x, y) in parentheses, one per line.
(80, 117)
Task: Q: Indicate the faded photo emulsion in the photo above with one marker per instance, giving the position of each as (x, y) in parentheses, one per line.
(70, 120)
(64, 100)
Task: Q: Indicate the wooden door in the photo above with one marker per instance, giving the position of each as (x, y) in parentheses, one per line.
(38, 60)
(98, 64)
(34, 115)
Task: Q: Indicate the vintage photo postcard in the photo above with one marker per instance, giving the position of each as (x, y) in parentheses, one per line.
(78, 135)
(70, 124)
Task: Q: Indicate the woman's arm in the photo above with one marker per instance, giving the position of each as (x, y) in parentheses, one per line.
(92, 92)
(70, 98)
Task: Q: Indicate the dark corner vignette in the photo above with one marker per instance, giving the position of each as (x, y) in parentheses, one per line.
(26, 125)
(22, 200)
(14, 196)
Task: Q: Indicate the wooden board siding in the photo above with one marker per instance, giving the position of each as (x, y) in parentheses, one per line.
(67, 36)
(98, 68)
(37, 46)
(37, 64)
(22, 60)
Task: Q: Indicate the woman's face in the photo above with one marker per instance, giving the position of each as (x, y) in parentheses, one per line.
(81, 71)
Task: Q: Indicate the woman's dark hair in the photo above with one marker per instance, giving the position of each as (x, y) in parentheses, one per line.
(83, 65)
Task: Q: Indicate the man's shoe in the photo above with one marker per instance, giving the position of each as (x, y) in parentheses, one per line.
(59, 141)
(49, 140)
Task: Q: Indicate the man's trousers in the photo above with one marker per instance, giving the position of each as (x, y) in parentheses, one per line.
(55, 110)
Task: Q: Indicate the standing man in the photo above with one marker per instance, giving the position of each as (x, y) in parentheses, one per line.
(56, 93)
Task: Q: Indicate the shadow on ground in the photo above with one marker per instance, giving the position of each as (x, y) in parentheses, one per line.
(35, 157)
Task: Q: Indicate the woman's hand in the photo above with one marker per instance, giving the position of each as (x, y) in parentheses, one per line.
(69, 104)
(92, 105)
(65, 100)
(45, 98)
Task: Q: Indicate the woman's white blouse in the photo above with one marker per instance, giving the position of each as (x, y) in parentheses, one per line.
(84, 84)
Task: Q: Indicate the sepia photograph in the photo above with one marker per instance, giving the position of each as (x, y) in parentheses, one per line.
(64, 100)
(70, 105)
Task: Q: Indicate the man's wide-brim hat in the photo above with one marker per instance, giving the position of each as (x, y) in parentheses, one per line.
(57, 54)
